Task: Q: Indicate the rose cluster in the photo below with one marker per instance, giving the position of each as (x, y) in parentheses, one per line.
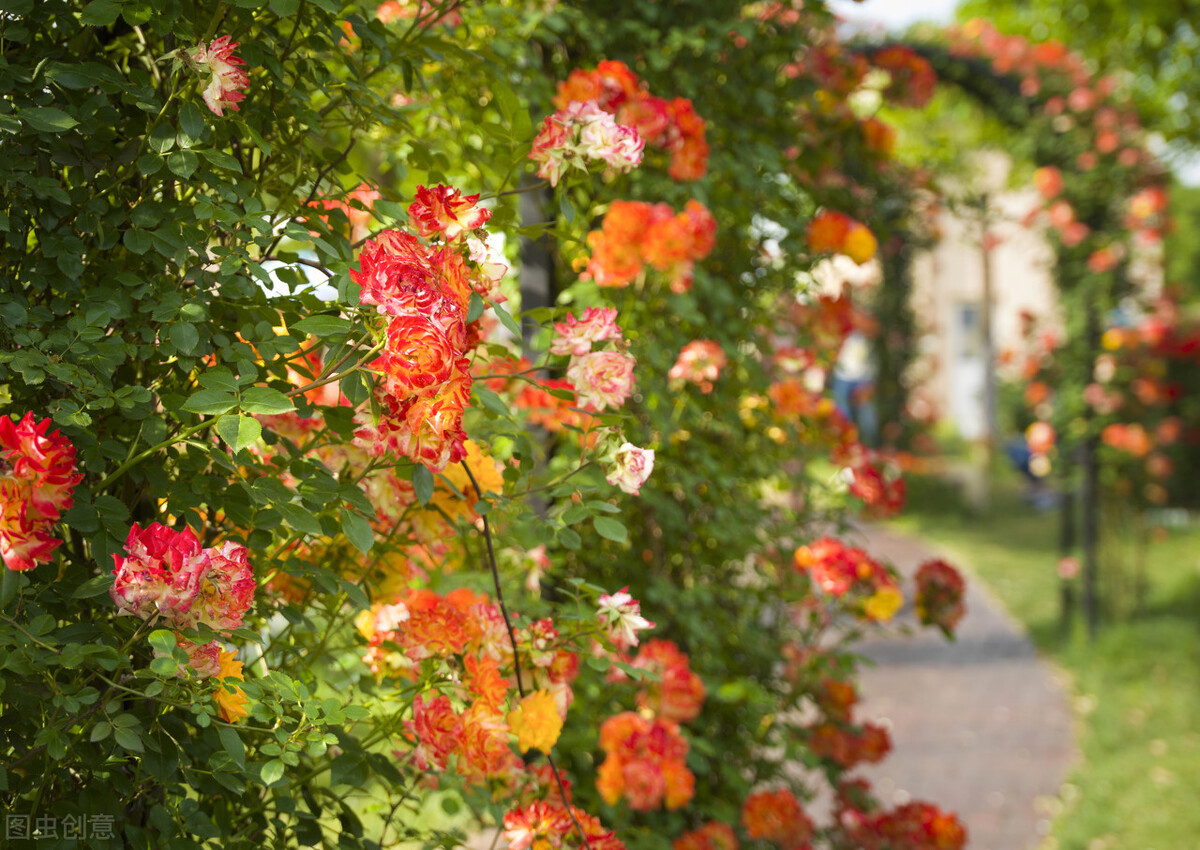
(635, 234)
(546, 825)
(602, 378)
(425, 292)
(913, 826)
(671, 126)
(839, 233)
(580, 133)
(851, 576)
(679, 693)
(644, 763)
(940, 591)
(777, 816)
(462, 638)
(713, 835)
(166, 575)
(37, 482)
(598, 379)
(700, 363)
(912, 79)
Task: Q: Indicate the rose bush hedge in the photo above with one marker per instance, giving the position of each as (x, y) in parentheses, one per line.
(304, 536)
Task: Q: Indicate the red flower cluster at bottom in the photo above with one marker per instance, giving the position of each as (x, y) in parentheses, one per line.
(546, 826)
(914, 826)
(777, 817)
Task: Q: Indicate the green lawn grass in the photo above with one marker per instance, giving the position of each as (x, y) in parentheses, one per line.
(1135, 691)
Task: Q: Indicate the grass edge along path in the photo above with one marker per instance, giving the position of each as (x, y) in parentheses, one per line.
(1136, 691)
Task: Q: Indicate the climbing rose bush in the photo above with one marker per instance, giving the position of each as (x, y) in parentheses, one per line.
(312, 517)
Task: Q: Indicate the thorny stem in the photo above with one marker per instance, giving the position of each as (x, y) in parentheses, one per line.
(524, 190)
(487, 536)
(512, 639)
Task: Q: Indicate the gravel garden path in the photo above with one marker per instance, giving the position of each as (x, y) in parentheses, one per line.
(981, 726)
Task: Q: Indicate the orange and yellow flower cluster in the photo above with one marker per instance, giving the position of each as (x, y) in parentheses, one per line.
(636, 234)
(777, 816)
(852, 576)
(545, 825)
(839, 233)
(644, 763)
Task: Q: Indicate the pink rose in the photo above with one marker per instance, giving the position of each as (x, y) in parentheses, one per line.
(629, 467)
(700, 362)
(602, 379)
(204, 658)
(445, 210)
(227, 81)
(619, 146)
(575, 336)
(621, 616)
(161, 573)
(228, 590)
(581, 132)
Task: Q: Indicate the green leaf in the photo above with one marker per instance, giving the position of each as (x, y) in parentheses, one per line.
(610, 529)
(475, 308)
(129, 739)
(422, 480)
(149, 163)
(266, 401)
(219, 378)
(136, 12)
(137, 241)
(569, 538)
(507, 320)
(162, 138)
(210, 402)
(47, 119)
(238, 431)
(164, 666)
(262, 143)
(490, 400)
(191, 120)
(299, 518)
(100, 13)
(566, 208)
(324, 326)
(232, 742)
(10, 586)
(184, 337)
(183, 164)
(348, 769)
(574, 514)
(355, 594)
(222, 160)
(100, 731)
(162, 640)
(358, 531)
(272, 771)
